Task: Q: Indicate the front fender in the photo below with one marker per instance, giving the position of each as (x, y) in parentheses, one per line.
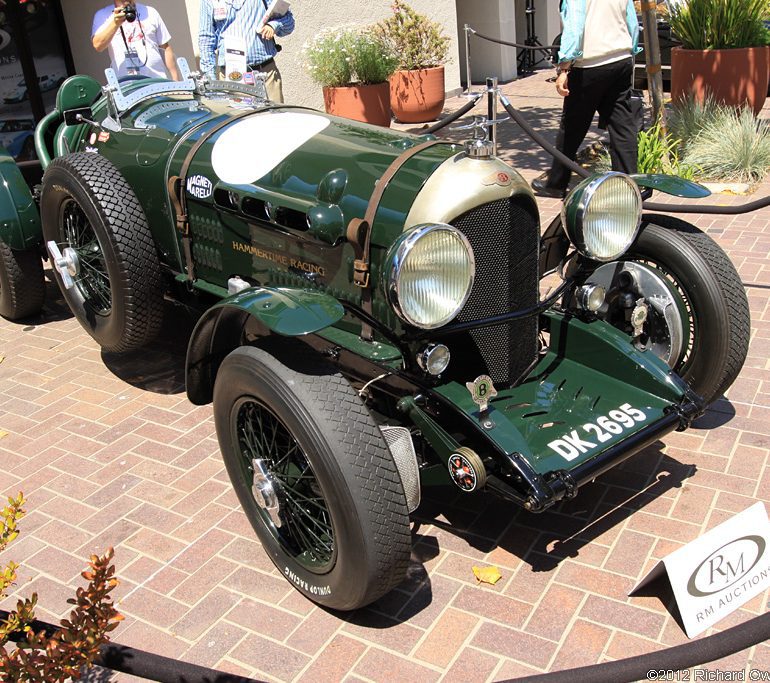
(222, 328)
(671, 184)
(19, 218)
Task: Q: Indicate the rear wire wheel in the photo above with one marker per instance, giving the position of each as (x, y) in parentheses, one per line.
(96, 220)
(313, 475)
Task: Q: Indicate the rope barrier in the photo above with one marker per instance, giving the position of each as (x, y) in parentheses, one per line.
(540, 140)
(677, 658)
(454, 116)
(520, 46)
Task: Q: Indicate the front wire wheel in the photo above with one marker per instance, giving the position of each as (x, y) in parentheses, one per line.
(313, 475)
(694, 309)
(299, 519)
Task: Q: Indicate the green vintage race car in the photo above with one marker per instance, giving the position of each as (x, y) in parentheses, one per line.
(371, 320)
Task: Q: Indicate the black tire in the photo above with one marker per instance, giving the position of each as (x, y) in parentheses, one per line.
(87, 205)
(315, 424)
(22, 285)
(710, 296)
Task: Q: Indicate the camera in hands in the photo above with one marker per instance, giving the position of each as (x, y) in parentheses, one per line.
(129, 11)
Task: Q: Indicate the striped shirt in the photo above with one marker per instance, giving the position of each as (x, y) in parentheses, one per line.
(573, 16)
(242, 19)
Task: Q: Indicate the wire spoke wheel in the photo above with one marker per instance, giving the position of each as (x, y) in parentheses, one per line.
(688, 330)
(313, 474)
(306, 531)
(92, 279)
(89, 210)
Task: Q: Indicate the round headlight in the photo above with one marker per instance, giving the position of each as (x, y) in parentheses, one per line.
(602, 215)
(430, 274)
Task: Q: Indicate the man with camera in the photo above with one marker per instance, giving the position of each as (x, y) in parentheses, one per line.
(136, 38)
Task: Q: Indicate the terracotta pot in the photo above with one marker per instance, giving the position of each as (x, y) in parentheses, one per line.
(735, 77)
(417, 95)
(367, 103)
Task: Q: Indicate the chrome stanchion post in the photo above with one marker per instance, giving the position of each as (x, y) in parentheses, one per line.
(468, 30)
(492, 112)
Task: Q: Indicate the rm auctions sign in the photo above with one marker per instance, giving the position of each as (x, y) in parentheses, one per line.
(718, 572)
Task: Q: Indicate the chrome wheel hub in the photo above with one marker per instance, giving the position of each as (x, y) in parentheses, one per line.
(263, 490)
(656, 320)
(67, 263)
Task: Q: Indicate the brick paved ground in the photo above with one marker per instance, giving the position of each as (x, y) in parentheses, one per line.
(109, 452)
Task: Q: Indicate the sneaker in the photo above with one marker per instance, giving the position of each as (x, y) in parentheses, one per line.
(541, 187)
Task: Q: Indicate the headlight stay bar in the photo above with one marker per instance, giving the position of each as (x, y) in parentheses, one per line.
(538, 308)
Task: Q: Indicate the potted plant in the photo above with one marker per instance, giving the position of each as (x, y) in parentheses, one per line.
(724, 51)
(353, 66)
(417, 87)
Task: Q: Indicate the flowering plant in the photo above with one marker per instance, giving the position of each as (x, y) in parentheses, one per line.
(343, 56)
(419, 42)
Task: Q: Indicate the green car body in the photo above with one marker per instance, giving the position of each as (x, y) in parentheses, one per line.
(254, 211)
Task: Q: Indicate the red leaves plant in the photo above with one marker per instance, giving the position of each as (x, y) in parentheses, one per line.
(42, 658)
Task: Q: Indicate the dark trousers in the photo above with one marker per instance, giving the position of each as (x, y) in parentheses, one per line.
(606, 89)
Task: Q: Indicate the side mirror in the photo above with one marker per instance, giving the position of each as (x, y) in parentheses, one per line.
(74, 117)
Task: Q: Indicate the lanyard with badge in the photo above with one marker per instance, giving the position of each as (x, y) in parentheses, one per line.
(234, 44)
(220, 10)
(132, 55)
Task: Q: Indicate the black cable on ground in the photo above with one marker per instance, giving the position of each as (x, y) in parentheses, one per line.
(144, 664)
(166, 670)
(540, 140)
(678, 658)
(453, 116)
(158, 668)
(518, 45)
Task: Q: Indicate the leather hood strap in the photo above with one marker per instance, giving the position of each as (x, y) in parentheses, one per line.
(359, 232)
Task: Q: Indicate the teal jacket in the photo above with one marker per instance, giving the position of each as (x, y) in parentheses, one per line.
(573, 17)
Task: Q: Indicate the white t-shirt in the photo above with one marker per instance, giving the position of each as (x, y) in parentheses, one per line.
(143, 38)
(606, 38)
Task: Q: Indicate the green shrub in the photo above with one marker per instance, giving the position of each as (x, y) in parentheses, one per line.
(719, 24)
(419, 42)
(688, 117)
(730, 145)
(659, 153)
(343, 56)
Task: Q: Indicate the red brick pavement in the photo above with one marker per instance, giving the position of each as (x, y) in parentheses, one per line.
(109, 451)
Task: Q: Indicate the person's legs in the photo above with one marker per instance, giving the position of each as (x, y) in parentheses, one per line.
(577, 113)
(273, 83)
(616, 107)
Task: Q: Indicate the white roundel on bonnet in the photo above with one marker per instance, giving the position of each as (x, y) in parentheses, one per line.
(254, 146)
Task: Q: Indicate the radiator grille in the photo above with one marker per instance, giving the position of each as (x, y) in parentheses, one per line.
(504, 236)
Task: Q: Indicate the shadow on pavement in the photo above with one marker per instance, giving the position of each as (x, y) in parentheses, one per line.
(718, 414)
(451, 519)
(160, 367)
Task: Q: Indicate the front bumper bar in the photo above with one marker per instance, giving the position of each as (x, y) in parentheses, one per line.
(548, 489)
